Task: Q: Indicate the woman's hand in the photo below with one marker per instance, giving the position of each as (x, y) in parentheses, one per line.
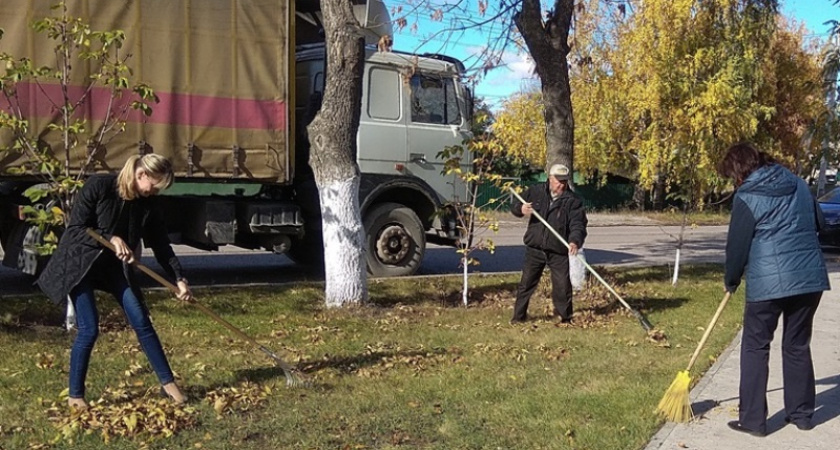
(184, 292)
(121, 250)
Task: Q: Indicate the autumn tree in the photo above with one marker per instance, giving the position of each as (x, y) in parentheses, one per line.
(792, 84)
(515, 126)
(829, 129)
(515, 25)
(332, 135)
(547, 39)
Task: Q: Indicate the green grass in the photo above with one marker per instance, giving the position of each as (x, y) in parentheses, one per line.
(413, 369)
(675, 217)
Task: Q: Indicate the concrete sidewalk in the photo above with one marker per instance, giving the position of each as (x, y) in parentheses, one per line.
(715, 398)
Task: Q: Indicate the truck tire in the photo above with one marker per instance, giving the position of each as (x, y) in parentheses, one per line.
(395, 239)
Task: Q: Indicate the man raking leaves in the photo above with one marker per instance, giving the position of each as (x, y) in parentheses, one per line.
(564, 171)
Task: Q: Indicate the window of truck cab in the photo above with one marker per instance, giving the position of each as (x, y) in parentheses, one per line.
(383, 100)
(434, 100)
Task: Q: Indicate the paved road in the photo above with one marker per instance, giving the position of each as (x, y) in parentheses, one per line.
(609, 244)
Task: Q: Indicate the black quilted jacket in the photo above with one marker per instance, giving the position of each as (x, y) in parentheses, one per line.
(98, 206)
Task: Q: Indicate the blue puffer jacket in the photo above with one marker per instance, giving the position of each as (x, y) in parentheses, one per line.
(773, 235)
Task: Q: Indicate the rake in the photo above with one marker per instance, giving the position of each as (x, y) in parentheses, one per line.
(293, 376)
(675, 405)
(642, 319)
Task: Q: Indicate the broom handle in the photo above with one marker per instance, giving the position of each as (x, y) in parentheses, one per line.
(556, 234)
(708, 330)
(175, 290)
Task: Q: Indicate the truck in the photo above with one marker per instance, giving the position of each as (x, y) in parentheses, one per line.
(238, 81)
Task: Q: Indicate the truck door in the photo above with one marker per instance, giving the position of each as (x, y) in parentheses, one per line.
(434, 122)
(382, 134)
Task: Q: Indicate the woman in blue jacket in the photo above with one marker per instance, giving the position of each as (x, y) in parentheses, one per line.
(773, 238)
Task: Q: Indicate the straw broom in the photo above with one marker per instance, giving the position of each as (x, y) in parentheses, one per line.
(675, 406)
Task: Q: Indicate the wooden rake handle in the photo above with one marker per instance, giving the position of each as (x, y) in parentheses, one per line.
(708, 330)
(292, 376)
(175, 289)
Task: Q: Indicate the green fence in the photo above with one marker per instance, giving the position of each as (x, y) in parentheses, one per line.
(614, 194)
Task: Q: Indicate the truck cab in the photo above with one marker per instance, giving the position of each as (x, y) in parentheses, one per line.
(412, 108)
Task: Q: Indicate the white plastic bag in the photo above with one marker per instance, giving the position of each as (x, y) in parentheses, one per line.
(70, 316)
(577, 270)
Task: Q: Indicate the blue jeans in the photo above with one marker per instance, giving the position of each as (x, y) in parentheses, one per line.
(87, 321)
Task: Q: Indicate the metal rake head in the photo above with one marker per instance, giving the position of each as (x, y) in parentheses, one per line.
(294, 378)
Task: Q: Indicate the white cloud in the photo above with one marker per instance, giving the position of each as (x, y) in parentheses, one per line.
(515, 74)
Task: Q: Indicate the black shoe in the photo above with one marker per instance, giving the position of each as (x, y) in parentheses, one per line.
(802, 425)
(515, 321)
(735, 425)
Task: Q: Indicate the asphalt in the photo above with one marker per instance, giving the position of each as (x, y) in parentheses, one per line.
(715, 397)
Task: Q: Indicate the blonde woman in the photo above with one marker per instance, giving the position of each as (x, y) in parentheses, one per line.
(119, 208)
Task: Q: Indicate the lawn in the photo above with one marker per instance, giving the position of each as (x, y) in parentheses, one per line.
(412, 369)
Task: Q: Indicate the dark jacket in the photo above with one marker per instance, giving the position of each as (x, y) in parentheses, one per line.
(773, 235)
(98, 206)
(566, 215)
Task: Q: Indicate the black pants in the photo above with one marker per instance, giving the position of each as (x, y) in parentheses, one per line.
(561, 285)
(760, 321)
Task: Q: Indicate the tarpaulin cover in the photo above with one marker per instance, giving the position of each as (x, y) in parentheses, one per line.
(221, 69)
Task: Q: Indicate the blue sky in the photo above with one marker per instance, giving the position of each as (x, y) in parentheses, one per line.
(516, 73)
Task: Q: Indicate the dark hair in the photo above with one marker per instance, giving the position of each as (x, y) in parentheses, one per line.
(741, 160)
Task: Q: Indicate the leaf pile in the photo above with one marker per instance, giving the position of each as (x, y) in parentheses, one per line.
(238, 399)
(120, 412)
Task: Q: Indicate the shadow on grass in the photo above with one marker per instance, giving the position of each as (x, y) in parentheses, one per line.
(445, 291)
(345, 365)
(648, 305)
(26, 314)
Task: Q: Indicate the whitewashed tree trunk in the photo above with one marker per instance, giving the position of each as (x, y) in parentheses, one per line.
(332, 138)
(466, 289)
(344, 243)
(676, 269)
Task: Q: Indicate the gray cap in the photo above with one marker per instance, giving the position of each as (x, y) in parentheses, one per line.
(559, 171)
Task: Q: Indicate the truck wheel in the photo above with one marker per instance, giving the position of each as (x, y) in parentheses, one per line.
(396, 240)
(19, 248)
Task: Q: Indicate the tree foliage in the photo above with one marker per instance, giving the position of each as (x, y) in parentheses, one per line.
(84, 57)
(518, 128)
(662, 92)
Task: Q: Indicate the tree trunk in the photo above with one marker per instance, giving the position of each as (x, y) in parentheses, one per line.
(547, 42)
(658, 196)
(332, 135)
(639, 195)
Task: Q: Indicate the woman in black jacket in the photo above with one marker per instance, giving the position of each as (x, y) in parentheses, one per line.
(119, 209)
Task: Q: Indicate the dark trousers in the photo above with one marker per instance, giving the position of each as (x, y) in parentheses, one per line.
(760, 321)
(561, 285)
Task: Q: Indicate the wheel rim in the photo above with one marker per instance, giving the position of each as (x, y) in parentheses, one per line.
(393, 244)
